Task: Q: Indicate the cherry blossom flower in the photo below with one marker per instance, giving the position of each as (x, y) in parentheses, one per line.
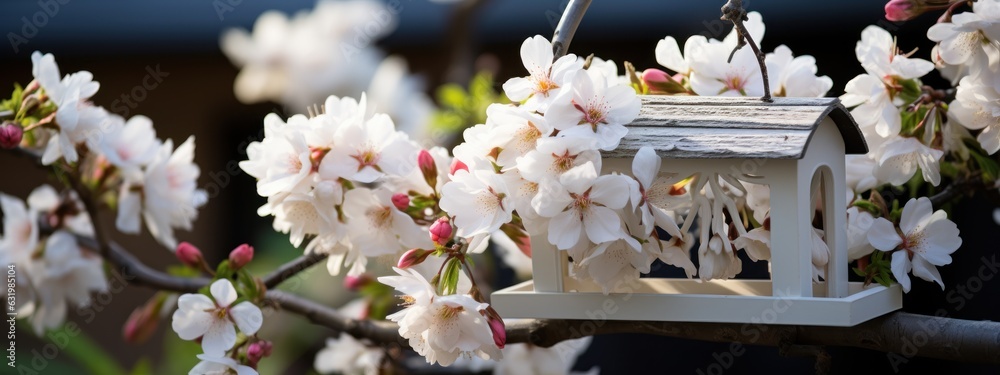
(712, 73)
(526, 359)
(479, 201)
(521, 127)
(347, 355)
(592, 109)
(970, 38)
(131, 145)
(75, 116)
(377, 227)
(581, 205)
(212, 319)
(615, 264)
(414, 181)
(977, 106)
(281, 161)
(369, 150)
(925, 239)
(899, 158)
(668, 53)
(481, 146)
(302, 215)
(654, 199)
(874, 94)
(795, 76)
(554, 156)
(220, 365)
(20, 231)
(860, 174)
(169, 198)
(756, 243)
(64, 272)
(440, 328)
(545, 78)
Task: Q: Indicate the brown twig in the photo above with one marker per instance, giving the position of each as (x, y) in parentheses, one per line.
(733, 11)
(292, 268)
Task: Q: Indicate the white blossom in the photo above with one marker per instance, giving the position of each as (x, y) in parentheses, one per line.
(712, 73)
(899, 158)
(592, 109)
(654, 198)
(526, 359)
(169, 198)
(977, 107)
(858, 223)
(970, 38)
(131, 146)
(520, 127)
(64, 272)
(860, 174)
(554, 156)
(377, 227)
(281, 161)
(925, 239)
(478, 200)
(581, 206)
(440, 328)
(545, 79)
(668, 53)
(75, 115)
(220, 365)
(795, 76)
(369, 150)
(615, 264)
(213, 319)
(20, 231)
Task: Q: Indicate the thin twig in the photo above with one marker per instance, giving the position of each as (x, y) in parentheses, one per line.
(733, 11)
(957, 189)
(567, 26)
(292, 268)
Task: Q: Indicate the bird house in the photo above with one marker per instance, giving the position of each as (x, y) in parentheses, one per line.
(789, 144)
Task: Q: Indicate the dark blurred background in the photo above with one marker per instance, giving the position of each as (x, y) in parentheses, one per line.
(117, 40)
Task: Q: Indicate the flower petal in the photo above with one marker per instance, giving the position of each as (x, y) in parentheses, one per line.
(900, 269)
(883, 235)
(926, 271)
(223, 292)
(247, 317)
(220, 337)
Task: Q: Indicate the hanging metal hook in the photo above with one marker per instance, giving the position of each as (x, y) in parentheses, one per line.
(567, 27)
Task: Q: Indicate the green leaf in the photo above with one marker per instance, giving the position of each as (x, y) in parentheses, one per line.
(859, 272)
(142, 367)
(987, 165)
(449, 277)
(868, 206)
(911, 90)
(181, 270)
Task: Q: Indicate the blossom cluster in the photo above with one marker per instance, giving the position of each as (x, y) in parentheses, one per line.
(119, 161)
(301, 59)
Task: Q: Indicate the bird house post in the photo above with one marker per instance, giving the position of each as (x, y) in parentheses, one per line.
(790, 144)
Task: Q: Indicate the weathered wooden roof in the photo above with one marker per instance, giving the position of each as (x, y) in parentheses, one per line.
(698, 127)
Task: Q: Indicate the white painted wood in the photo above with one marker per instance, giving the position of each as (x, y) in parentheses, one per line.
(825, 155)
(652, 300)
(548, 265)
(791, 223)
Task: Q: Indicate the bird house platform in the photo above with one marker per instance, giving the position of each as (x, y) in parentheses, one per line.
(790, 144)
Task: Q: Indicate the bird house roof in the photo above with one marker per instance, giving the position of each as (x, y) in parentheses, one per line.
(698, 127)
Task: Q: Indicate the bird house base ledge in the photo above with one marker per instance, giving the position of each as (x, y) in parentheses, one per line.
(686, 300)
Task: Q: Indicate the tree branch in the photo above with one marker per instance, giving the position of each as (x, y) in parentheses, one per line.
(567, 27)
(287, 270)
(955, 190)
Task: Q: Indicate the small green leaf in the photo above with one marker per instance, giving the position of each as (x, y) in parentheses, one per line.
(180, 270)
(449, 277)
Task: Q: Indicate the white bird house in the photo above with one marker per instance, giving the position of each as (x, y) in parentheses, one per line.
(790, 144)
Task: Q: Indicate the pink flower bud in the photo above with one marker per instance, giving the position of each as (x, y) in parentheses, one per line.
(189, 255)
(258, 350)
(413, 257)
(141, 324)
(660, 82)
(428, 167)
(900, 10)
(498, 328)
(240, 256)
(441, 230)
(355, 283)
(401, 201)
(10, 135)
(457, 165)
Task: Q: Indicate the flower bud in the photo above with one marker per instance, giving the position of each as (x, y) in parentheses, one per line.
(401, 201)
(413, 257)
(457, 165)
(10, 135)
(258, 350)
(141, 324)
(900, 10)
(428, 167)
(497, 327)
(355, 283)
(240, 256)
(189, 255)
(659, 81)
(441, 230)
